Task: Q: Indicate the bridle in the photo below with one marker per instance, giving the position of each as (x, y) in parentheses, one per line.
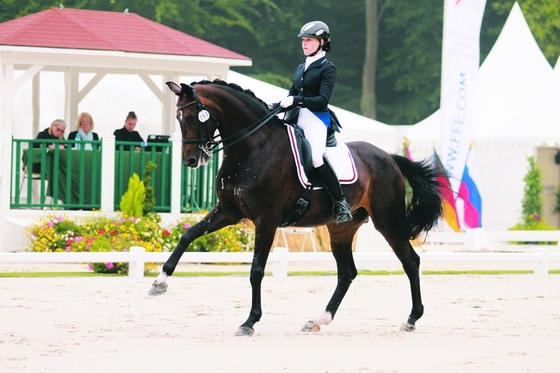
(208, 143)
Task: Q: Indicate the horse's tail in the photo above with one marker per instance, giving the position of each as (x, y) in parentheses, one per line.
(425, 207)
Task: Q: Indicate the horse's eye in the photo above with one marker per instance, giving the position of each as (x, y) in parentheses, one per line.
(190, 120)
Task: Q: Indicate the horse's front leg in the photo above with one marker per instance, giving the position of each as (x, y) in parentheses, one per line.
(264, 238)
(210, 223)
(341, 245)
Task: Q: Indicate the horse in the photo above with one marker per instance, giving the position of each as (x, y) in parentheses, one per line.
(257, 181)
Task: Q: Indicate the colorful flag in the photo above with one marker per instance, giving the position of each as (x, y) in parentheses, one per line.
(469, 193)
(448, 200)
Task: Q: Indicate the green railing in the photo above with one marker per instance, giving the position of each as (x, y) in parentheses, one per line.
(128, 162)
(57, 177)
(51, 187)
(199, 187)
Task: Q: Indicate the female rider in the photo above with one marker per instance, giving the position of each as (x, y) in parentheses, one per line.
(308, 100)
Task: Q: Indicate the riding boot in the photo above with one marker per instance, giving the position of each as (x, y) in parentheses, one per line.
(340, 208)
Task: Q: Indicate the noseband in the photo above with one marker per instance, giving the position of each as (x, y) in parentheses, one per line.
(205, 141)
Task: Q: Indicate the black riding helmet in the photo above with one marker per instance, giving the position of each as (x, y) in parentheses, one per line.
(318, 30)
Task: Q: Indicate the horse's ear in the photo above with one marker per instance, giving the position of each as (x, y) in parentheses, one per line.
(188, 90)
(174, 87)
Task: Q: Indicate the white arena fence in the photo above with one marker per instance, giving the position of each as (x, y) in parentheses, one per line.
(280, 258)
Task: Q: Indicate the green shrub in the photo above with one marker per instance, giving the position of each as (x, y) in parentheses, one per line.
(98, 233)
(132, 201)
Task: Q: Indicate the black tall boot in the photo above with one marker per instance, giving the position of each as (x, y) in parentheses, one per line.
(340, 208)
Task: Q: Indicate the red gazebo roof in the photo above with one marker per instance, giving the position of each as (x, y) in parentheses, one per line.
(102, 30)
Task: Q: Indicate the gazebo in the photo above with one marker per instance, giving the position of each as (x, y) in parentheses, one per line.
(74, 42)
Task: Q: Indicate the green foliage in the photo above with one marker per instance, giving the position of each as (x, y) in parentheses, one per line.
(557, 206)
(100, 233)
(150, 200)
(543, 20)
(532, 195)
(132, 201)
(234, 238)
(409, 55)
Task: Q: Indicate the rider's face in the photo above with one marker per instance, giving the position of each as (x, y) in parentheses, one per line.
(309, 45)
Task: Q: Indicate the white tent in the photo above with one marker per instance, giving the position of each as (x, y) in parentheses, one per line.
(510, 80)
(541, 118)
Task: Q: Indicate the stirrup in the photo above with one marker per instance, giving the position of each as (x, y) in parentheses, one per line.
(341, 212)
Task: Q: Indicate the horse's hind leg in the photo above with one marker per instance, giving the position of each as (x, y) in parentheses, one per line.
(341, 245)
(411, 265)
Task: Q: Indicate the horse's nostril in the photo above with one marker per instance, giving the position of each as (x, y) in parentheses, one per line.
(190, 162)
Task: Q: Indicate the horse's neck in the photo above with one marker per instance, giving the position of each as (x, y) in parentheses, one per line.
(257, 146)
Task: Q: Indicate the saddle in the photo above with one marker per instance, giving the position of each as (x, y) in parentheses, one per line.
(304, 150)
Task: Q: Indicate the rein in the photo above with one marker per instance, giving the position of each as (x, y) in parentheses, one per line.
(209, 144)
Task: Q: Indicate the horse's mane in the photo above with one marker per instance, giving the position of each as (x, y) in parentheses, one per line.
(233, 86)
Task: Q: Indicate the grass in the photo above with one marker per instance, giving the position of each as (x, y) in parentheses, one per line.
(293, 273)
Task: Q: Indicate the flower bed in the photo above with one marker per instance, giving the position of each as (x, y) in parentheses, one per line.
(98, 233)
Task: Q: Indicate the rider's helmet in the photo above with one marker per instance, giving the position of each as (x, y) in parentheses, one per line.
(318, 30)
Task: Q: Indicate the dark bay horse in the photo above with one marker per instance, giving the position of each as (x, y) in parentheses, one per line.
(258, 181)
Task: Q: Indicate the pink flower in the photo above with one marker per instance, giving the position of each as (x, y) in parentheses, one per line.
(90, 268)
(109, 265)
(186, 226)
(67, 249)
(51, 224)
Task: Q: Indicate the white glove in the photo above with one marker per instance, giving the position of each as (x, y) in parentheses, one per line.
(287, 101)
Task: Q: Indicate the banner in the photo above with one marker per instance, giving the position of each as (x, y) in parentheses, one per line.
(460, 63)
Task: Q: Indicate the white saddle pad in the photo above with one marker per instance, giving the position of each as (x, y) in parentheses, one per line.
(339, 157)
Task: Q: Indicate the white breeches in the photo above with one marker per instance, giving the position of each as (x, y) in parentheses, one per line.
(316, 133)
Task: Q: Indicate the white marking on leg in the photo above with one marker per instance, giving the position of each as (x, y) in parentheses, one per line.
(324, 319)
(162, 277)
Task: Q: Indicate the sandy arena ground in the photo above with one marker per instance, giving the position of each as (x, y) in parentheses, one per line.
(472, 323)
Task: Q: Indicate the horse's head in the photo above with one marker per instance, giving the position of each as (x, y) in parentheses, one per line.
(196, 128)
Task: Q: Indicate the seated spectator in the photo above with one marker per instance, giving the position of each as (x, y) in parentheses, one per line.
(84, 130)
(127, 133)
(54, 132)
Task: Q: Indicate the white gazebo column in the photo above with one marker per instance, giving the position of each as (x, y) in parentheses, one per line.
(108, 173)
(71, 80)
(6, 101)
(168, 121)
(36, 102)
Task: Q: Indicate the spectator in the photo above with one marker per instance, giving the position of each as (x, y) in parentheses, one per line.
(84, 131)
(127, 133)
(54, 132)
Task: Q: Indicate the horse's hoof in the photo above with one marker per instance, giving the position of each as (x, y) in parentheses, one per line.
(244, 331)
(310, 326)
(408, 327)
(158, 288)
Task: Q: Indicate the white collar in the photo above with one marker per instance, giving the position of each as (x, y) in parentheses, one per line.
(310, 60)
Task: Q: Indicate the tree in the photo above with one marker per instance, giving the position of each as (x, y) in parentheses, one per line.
(388, 69)
(544, 22)
(532, 194)
(409, 66)
(368, 102)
